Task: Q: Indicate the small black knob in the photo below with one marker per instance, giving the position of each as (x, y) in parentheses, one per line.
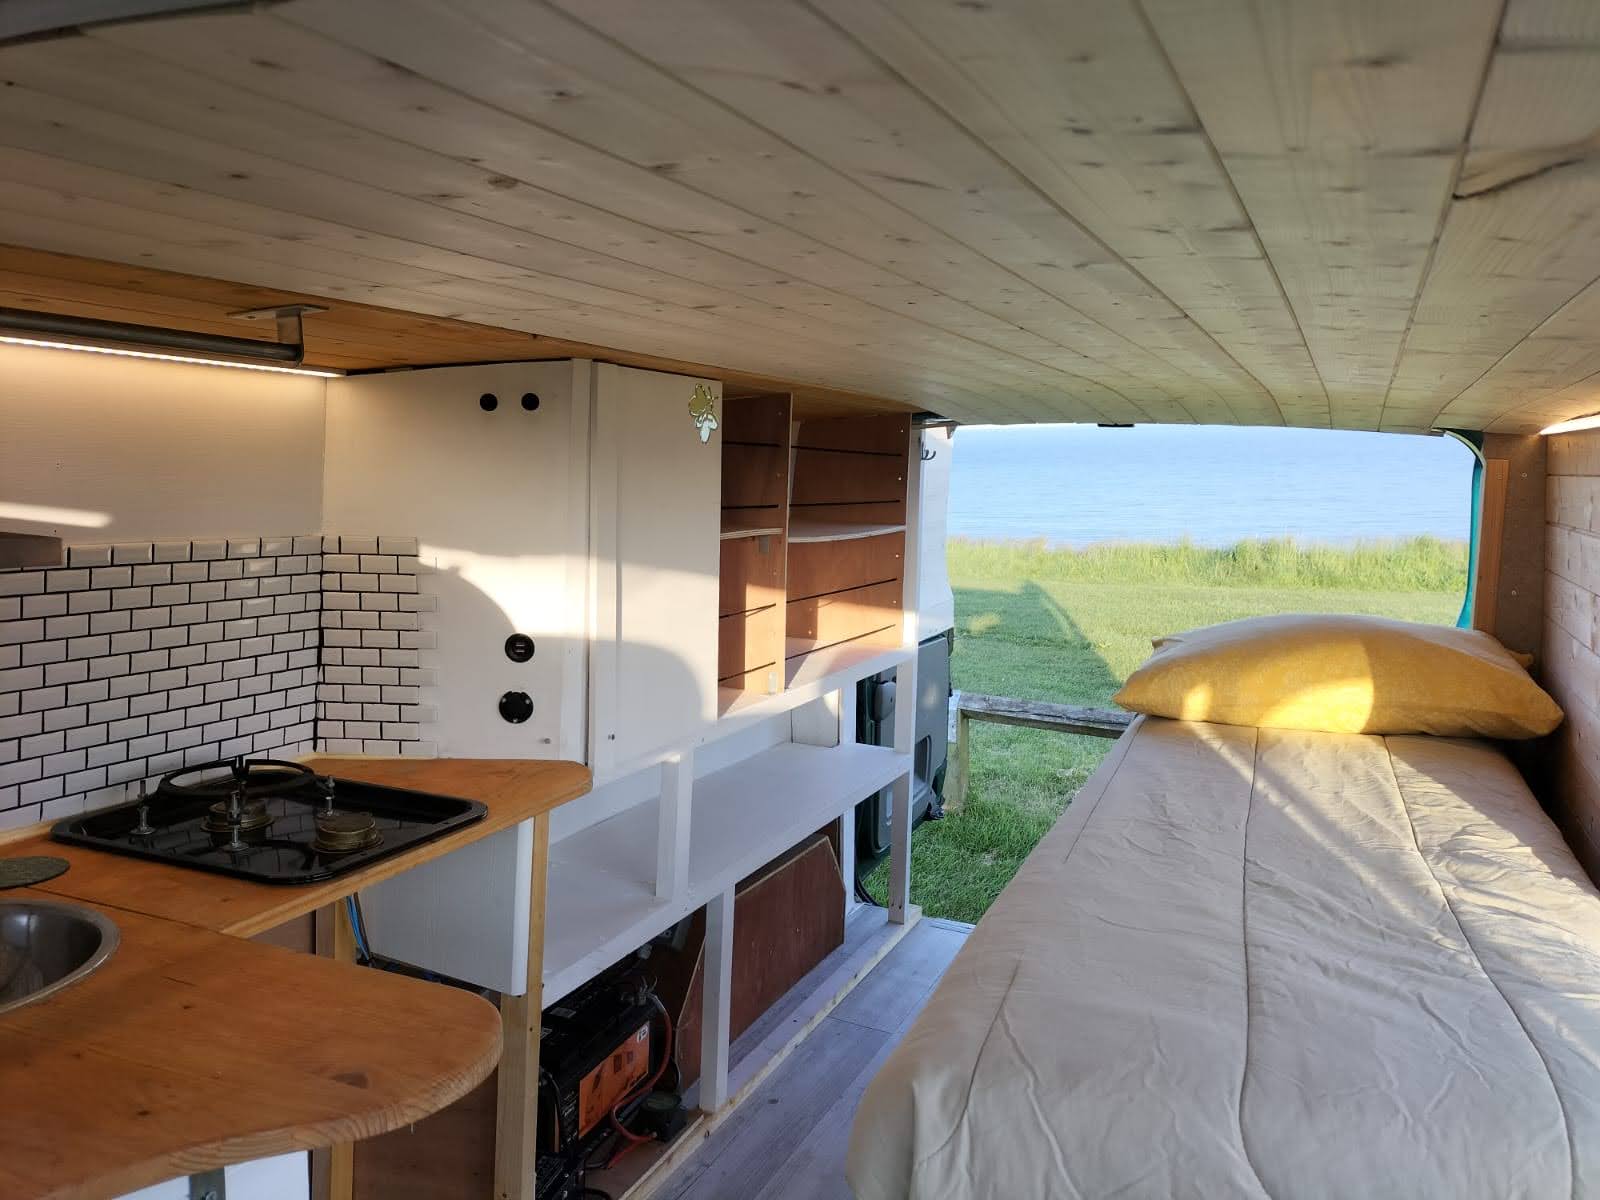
(519, 647)
(488, 402)
(530, 401)
(516, 707)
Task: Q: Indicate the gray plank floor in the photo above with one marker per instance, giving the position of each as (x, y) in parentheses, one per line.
(787, 1141)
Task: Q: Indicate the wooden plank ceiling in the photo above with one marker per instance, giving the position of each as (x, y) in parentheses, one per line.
(1358, 213)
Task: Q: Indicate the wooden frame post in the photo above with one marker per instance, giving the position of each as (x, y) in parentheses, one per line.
(517, 1094)
(717, 1016)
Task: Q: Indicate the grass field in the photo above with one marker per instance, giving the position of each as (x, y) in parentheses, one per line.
(1056, 624)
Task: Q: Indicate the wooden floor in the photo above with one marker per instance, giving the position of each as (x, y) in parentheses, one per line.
(787, 1142)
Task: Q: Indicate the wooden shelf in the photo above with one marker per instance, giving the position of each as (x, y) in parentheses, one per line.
(735, 526)
(806, 529)
(602, 902)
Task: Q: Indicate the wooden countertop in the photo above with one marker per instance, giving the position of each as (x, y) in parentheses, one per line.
(189, 1049)
(514, 790)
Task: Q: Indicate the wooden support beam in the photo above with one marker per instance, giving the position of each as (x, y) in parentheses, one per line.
(966, 707)
(517, 1104)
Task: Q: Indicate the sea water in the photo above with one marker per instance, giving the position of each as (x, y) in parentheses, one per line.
(1079, 484)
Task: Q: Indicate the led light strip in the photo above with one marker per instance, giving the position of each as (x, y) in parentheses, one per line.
(179, 358)
(1576, 423)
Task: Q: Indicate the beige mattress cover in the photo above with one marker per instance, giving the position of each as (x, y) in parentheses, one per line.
(1268, 964)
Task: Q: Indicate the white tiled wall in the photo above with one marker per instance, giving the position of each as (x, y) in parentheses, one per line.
(372, 697)
(138, 659)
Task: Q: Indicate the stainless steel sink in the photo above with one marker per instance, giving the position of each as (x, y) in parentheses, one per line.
(46, 946)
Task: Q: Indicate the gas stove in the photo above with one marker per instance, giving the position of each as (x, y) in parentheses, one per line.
(269, 820)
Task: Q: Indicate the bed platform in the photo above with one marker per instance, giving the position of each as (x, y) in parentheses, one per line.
(1264, 963)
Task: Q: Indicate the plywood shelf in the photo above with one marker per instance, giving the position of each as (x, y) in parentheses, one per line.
(735, 525)
(803, 530)
(602, 902)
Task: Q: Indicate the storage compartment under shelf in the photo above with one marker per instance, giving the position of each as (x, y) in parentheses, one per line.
(601, 901)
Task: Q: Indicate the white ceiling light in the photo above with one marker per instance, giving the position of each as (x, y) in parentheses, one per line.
(1574, 425)
(180, 358)
(91, 335)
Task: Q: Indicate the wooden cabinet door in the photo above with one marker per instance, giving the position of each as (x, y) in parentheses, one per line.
(655, 519)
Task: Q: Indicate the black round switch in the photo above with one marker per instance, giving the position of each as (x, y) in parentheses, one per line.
(530, 401)
(488, 402)
(519, 647)
(516, 707)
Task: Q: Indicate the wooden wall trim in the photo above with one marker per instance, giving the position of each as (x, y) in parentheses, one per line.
(1509, 588)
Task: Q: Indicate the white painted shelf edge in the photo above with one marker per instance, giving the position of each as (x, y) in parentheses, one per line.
(602, 902)
(809, 677)
(802, 529)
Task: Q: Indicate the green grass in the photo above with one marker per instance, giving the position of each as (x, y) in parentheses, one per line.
(1056, 624)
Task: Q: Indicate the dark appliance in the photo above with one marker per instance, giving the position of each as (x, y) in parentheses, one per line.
(269, 820)
(875, 705)
(602, 1050)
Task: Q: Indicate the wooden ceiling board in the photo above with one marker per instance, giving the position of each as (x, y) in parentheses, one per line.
(1341, 126)
(341, 80)
(1518, 245)
(1107, 134)
(786, 67)
(1356, 213)
(348, 336)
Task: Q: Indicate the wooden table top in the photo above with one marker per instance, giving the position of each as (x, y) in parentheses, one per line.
(189, 1049)
(514, 790)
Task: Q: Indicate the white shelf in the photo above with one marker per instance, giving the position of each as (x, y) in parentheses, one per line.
(804, 529)
(602, 902)
(807, 677)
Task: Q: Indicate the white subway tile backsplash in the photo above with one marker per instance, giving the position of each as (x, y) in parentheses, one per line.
(89, 556)
(139, 658)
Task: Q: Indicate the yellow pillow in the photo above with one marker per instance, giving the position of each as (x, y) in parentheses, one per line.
(1342, 674)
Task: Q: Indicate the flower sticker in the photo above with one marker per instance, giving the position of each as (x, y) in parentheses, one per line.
(702, 405)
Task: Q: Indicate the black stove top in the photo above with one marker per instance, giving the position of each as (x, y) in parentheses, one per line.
(271, 821)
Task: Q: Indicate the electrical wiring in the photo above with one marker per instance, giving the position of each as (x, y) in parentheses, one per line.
(635, 1140)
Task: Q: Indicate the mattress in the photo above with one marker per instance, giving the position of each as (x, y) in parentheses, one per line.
(1264, 963)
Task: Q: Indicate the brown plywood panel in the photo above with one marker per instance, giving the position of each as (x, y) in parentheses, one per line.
(762, 420)
(845, 616)
(889, 435)
(788, 917)
(751, 574)
(847, 477)
(754, 476)
(749, 641)
(817, 568)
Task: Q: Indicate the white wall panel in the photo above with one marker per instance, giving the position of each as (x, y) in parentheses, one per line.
(129, 449)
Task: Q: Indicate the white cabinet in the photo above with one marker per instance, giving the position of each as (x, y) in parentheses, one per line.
(495, 490)
(655, 519)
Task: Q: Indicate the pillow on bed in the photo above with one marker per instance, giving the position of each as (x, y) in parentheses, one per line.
(1342, 674)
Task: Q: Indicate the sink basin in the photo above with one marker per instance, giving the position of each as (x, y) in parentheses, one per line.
(46, 946)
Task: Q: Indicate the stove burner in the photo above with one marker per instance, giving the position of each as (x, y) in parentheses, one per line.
(250, 817)
(346, 832)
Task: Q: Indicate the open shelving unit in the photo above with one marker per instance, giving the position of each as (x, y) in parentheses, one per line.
(755, 521)
(604, 897)
(813, 551)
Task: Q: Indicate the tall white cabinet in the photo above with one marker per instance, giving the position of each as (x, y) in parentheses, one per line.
(655, 476)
